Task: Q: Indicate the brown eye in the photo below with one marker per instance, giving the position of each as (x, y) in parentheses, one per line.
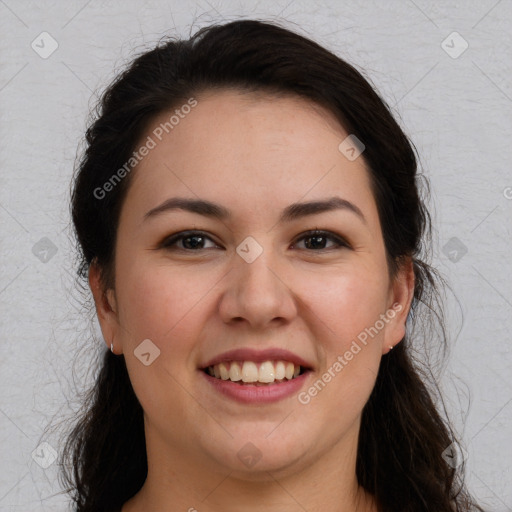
(317, 240)
(190, 241)
(194, 241)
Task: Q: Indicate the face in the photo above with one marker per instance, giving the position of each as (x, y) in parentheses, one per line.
(199, 285)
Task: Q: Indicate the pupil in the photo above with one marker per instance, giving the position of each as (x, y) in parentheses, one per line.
(309, 245)
(191, 238)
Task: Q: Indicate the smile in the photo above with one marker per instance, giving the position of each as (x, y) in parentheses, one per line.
(247, 372)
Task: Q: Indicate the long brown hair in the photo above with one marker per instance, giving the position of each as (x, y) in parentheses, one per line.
(403, 434)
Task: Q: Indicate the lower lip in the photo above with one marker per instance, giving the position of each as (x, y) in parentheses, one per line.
(250, 394)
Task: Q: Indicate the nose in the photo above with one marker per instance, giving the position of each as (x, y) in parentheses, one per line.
(257, 293)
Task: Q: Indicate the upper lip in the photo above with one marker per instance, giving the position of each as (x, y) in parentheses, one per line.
(258, 356)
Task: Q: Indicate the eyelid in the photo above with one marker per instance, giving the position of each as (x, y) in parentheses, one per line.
(341, 243)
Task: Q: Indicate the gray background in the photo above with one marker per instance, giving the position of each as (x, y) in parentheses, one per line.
(455, 106)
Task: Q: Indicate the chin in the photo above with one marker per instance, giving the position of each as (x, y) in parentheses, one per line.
(252, 458)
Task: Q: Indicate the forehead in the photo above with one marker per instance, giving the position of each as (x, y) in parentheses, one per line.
(232, 146)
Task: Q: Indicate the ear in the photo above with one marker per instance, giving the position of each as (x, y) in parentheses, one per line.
(400, 300)
(106, 307)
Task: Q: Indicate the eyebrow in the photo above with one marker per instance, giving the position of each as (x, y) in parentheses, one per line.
(290, 213)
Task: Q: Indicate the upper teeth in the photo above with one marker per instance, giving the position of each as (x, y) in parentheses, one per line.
(248, 371)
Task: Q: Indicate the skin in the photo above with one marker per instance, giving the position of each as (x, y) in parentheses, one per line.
(254, 154)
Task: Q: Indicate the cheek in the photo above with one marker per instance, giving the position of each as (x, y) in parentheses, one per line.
(347, 306)
(350, 351)
(349, 303)
(152, 292)
(159, 303)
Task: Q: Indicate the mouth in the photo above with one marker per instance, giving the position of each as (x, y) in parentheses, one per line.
(251, 376)
(252, 373)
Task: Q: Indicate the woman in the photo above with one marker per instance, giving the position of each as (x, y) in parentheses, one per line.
(252, 232)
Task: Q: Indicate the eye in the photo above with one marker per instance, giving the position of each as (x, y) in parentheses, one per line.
(192, 240)
(195, 240)
(319, 239)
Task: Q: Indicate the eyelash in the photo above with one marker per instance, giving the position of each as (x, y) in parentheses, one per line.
(169, 242)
